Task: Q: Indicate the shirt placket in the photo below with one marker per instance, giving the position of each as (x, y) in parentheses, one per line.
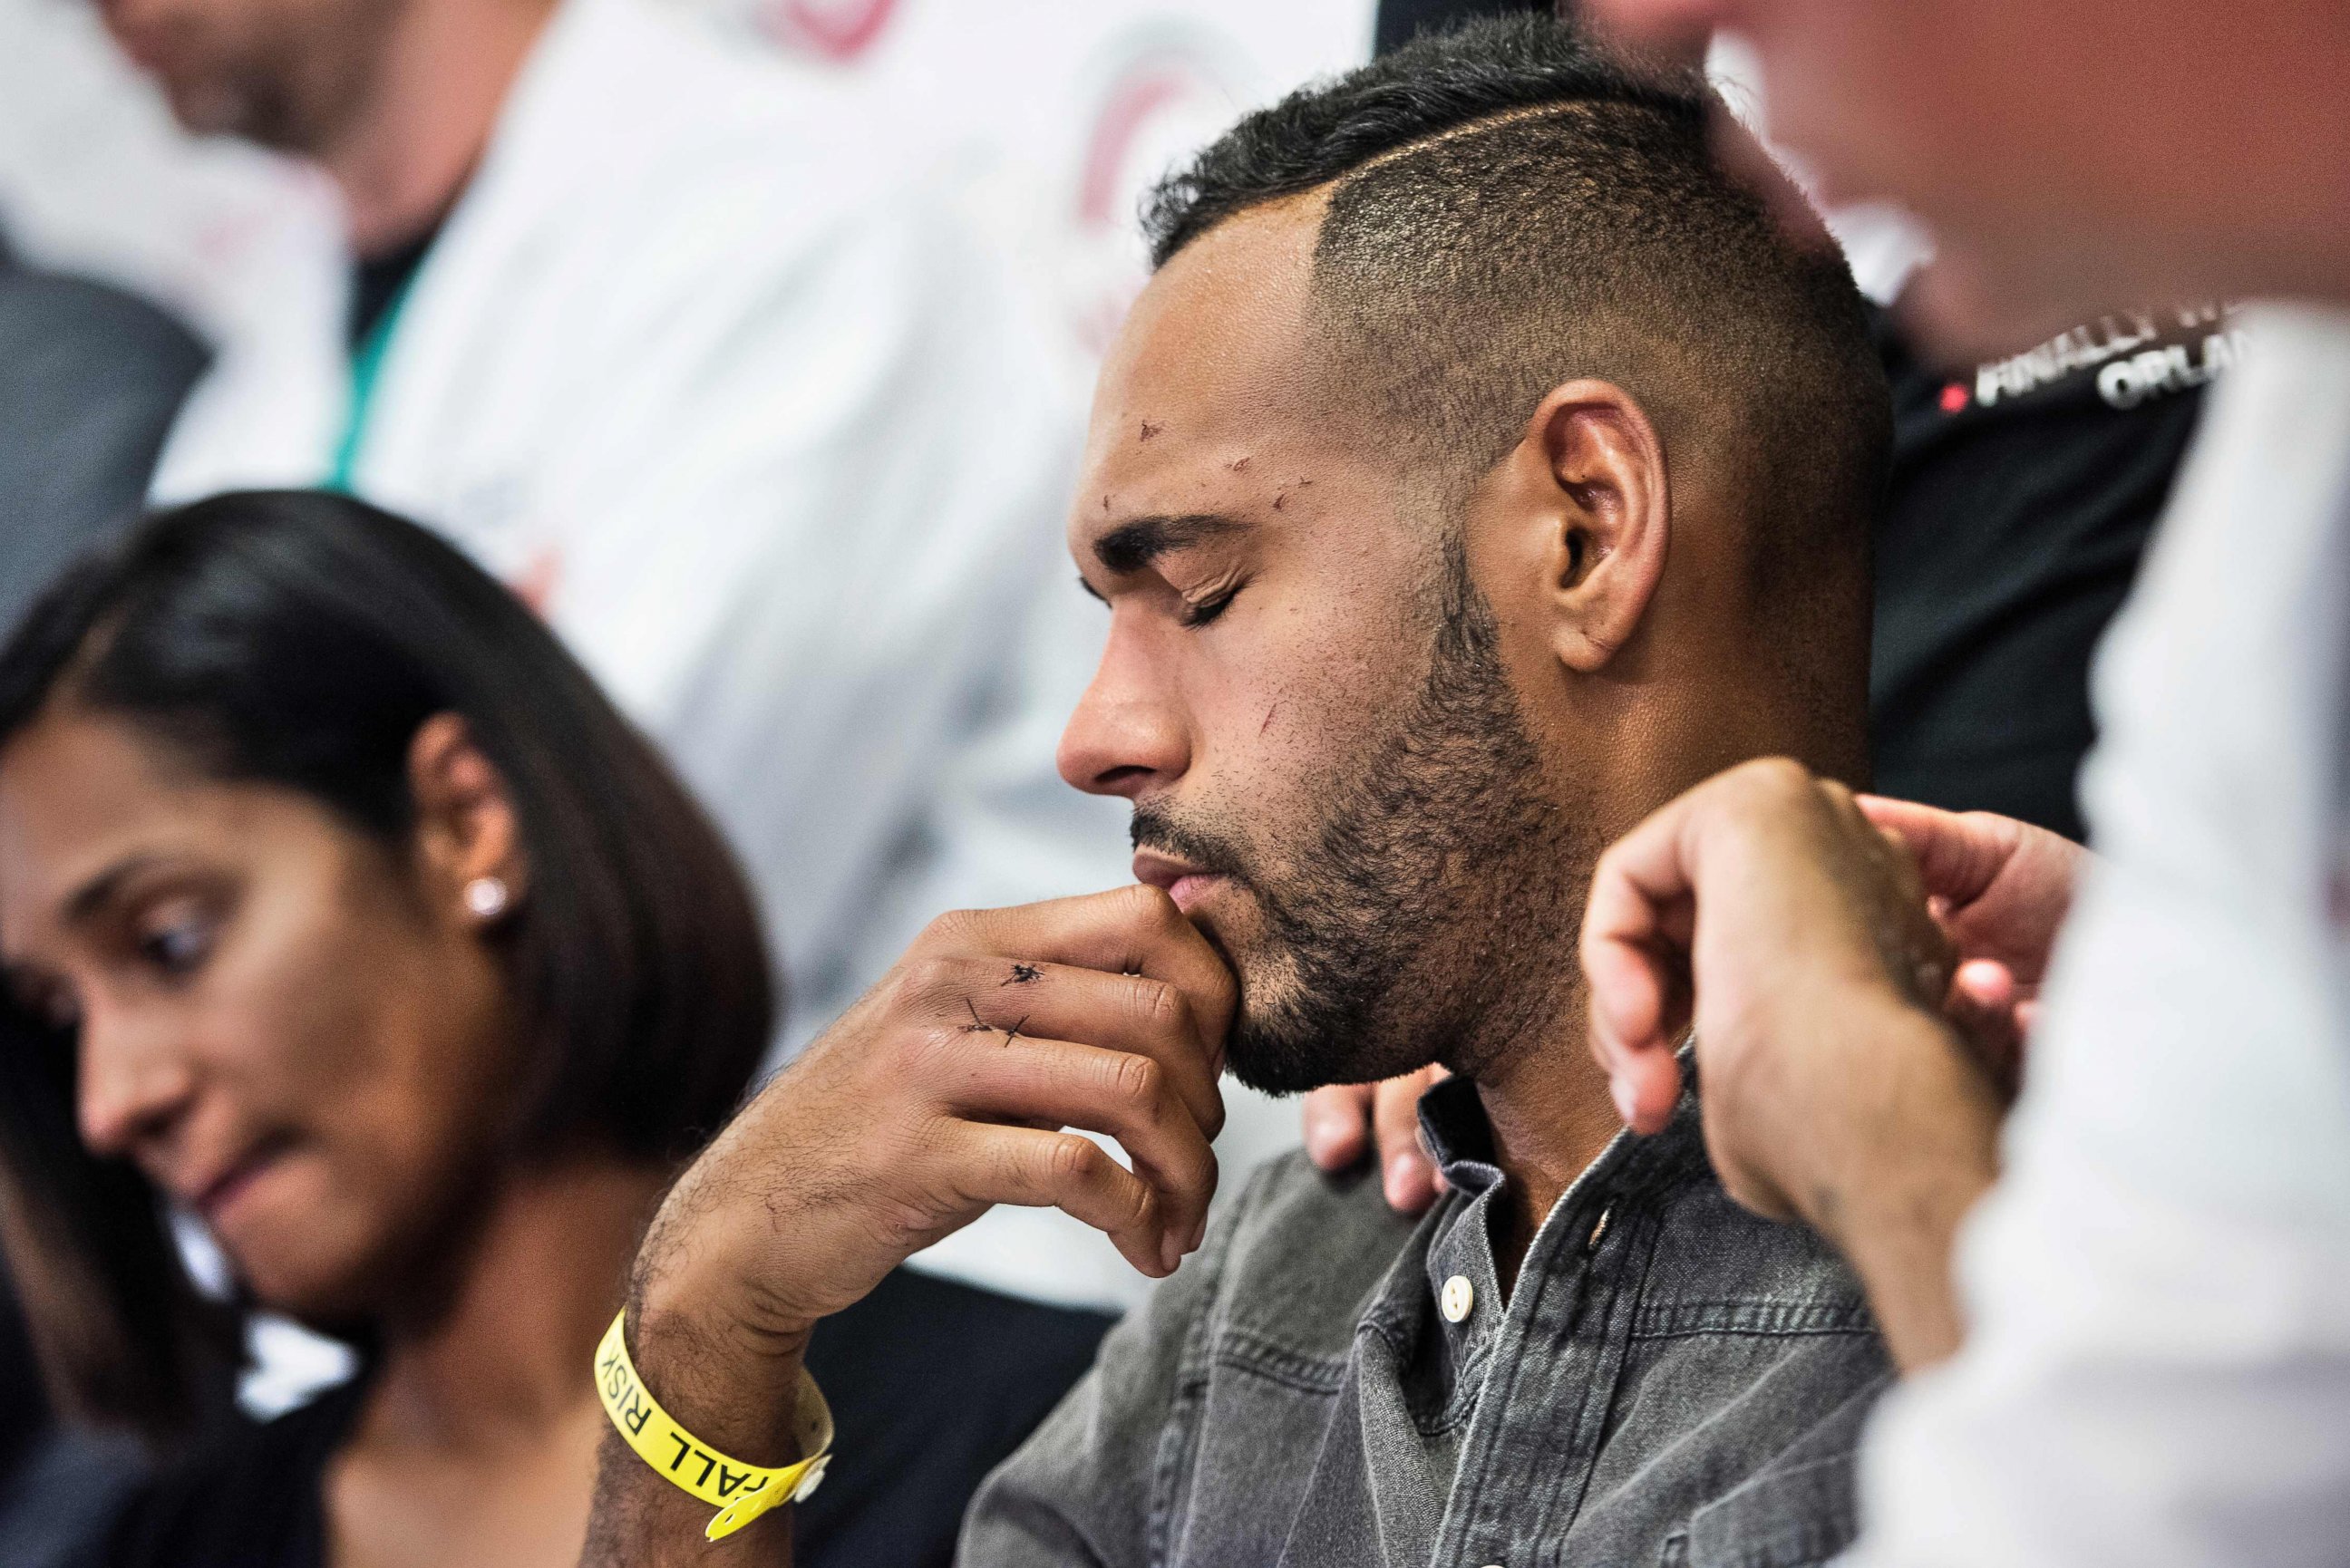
(1555, 1352)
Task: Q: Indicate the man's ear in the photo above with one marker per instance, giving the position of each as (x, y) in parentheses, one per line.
(1596, 462)
(465, 824)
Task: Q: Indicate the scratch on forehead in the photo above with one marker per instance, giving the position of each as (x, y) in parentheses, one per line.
(1131, 546)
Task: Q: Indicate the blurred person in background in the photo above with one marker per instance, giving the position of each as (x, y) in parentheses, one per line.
(341, 912)
(89, 379)
(625, 314)
(2024, 488)
(2132, 1294)
(631, 316)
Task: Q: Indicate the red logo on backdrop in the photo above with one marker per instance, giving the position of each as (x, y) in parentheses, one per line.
(840, 30)
(1129, 104)
(1166, 91)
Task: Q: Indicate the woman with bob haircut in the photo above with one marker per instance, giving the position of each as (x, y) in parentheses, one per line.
(343, 915)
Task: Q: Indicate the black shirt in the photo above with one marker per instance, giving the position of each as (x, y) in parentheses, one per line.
(253, 1498)
(2023, 494)
(931, 1383)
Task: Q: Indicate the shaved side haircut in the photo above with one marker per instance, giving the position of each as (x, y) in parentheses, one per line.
(1510, 209)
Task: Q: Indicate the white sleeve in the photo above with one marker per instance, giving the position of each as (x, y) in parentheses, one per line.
(2156, 1372)
(806, 533)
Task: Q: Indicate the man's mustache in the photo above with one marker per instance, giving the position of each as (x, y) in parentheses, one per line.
(1156, 828)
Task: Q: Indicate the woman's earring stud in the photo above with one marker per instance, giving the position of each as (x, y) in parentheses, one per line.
(486, 897)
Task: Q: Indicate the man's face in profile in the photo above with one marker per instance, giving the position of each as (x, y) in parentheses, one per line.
(287, 74)
(1302, 692)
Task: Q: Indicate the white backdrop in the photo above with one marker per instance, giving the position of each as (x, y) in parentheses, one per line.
(1053, 115)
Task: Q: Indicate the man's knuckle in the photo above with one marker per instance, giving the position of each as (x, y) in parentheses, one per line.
(917, 1053)
(949, 929)
(1773, 777)
(1143, 1204)
(1071, 1157)
(913, 987)
(1224, 991)
(1160, 1006)
(1138, 1081)
(1152, 909)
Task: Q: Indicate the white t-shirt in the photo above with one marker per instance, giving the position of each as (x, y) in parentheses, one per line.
(2157, 1366)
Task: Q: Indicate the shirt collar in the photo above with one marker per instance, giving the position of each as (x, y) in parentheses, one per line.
(1459, 1253)
(1452, 1122)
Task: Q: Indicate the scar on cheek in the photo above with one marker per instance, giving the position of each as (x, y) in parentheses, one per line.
(1280, 499)
(1269, 712)
(1148, 430)
(1238, 465)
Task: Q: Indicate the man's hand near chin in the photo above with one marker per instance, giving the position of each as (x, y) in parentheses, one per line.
(945, 1091)
(1860, 974)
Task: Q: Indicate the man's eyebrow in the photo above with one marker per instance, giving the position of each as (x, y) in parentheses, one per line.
(1131, 546)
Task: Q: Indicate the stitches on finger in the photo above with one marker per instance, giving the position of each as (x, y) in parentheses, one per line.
(979, 1026)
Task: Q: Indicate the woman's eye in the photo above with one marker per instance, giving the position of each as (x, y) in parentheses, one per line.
(178, 946)
(1202, 611)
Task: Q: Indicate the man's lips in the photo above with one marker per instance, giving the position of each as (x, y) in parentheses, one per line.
(1183, 882)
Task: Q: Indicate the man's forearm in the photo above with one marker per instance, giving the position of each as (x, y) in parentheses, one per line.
(640, 1521)
(738, 1399)
(1925, 1150)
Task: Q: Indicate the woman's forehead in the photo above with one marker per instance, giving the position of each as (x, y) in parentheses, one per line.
(83, 793)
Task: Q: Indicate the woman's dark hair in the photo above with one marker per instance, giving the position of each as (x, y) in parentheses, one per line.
(300, 639)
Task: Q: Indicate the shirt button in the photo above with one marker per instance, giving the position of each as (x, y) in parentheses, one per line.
(1459, 1297)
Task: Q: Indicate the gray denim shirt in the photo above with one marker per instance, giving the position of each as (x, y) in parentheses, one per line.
(1673, 1381)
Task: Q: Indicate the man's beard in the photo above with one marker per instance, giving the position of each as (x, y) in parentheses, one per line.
(1433, 914)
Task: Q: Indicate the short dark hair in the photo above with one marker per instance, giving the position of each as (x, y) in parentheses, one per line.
(300, 639)
(1510, 208)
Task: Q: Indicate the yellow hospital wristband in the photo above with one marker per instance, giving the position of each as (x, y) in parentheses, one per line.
(740, 1492)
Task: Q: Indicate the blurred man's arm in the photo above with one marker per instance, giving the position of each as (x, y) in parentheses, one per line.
(1766, 912)
(2157, 1359)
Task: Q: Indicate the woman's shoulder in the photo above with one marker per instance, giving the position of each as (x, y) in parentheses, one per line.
(249, 1498)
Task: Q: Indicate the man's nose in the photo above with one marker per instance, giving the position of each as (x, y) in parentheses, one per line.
(130, 1089)
(1125, 737)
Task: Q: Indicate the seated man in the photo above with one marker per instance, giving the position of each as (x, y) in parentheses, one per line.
(1480, 467)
